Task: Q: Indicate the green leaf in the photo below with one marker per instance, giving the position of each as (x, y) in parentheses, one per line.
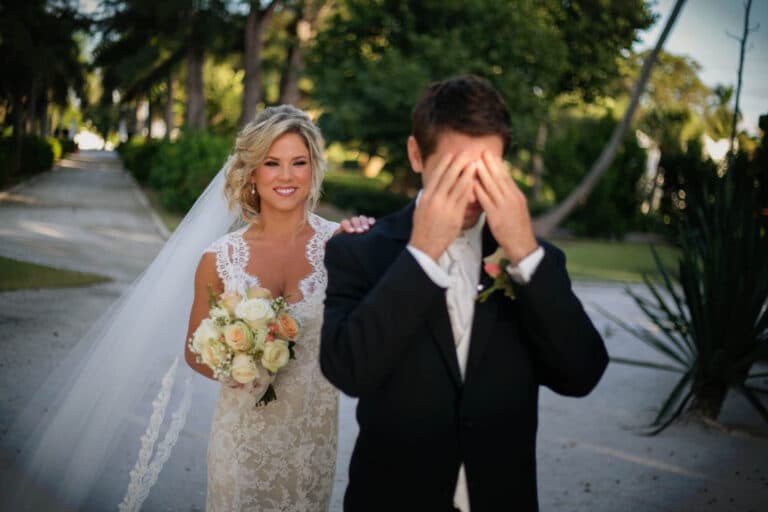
(665, 416)
(647, 364)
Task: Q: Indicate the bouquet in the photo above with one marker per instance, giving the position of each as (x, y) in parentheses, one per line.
(246, 339)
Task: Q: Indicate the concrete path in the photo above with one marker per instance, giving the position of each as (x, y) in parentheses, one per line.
(88, 215)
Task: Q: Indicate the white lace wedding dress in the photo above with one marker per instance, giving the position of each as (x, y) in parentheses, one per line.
(281, 456)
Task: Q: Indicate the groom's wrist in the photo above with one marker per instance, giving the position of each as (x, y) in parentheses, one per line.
(424, 246)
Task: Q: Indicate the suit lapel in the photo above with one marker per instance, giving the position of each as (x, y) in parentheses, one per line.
(485, 312)
(439, 325)
(398, 227)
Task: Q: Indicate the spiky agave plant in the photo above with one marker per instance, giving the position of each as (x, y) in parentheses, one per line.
(711, 316)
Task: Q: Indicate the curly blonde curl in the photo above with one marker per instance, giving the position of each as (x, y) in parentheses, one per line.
(252, 146)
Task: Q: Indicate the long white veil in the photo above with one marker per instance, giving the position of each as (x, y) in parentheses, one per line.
(104, 423)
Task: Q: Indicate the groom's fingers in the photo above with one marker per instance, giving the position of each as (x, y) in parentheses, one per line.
(488, 184)
(449, 177)
(437, 173)
(462, 189)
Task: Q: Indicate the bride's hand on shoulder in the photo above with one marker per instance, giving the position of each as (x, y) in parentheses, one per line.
(356, 224)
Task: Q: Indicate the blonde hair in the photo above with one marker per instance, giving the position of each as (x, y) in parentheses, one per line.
(251, 148)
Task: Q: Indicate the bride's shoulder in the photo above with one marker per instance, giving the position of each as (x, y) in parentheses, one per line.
(225, 240)
(322, 225)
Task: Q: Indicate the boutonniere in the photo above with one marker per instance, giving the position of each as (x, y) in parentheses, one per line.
(493, 265)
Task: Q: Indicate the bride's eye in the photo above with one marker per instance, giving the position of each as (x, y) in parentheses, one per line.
(300, 163)
(271, 163)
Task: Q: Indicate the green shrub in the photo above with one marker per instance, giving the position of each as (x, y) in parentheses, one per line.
(364, 196)
(138, 155)
(613, 207)
(55, 147)
(36, 155)
(67, 146)
(180, 170)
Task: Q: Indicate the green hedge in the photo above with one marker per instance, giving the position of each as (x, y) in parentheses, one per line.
(361, 195)
(37, 155)
(67, 146)
(138, 155)
(56, 147)
(181, 170)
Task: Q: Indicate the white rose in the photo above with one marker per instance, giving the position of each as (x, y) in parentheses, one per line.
(256, 312)
(276, 355)
(213, 353)
(244, 369)
(205, 332)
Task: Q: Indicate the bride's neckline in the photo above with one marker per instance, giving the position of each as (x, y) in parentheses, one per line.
(313, 222)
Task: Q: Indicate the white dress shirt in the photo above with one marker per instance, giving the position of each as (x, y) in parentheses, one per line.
(458, 270)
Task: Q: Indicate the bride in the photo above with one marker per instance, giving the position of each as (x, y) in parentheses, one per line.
(280, 456)
(75, 443)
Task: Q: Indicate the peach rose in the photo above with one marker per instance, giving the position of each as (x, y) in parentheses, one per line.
(238, 336)
(286, 327)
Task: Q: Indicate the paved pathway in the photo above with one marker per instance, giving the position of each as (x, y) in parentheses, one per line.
(88, 215)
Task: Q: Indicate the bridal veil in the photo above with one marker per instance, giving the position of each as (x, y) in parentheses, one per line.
(105, 422)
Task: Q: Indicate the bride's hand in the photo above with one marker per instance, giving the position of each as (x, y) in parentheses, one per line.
(356, 224)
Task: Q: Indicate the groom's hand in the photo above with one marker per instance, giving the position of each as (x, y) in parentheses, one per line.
(439, 216)
(505, 207)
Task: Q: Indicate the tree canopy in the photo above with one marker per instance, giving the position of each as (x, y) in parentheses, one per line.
(371, 60)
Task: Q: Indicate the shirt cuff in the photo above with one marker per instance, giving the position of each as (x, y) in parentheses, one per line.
(430, 267)
(522, 273)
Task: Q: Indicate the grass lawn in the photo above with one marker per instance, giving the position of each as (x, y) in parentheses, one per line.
(19, 275)
(614, 261)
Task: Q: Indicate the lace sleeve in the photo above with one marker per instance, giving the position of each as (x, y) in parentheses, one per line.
(231, 258)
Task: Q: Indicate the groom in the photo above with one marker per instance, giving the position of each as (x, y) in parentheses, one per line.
(448, 385)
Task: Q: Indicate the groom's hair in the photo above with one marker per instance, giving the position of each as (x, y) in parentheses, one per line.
(466, 104)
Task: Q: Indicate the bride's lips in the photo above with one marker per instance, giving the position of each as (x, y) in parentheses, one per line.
(285, 191)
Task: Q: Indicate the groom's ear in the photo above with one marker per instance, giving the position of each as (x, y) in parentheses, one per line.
(414, 155)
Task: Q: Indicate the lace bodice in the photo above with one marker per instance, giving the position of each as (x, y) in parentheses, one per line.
(233, 254)
(279, 457)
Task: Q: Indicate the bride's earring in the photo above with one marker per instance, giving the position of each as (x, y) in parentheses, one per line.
(253, 189)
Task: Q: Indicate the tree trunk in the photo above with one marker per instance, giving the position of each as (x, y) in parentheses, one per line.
(742, 42)
(289, 80)
(169, 107)
(546, 223)
(44, 115)
(538, 161)
(31, 117)
(255, 25)
(150, 113)
(301, 32)
(18, 127)
(138, 120)
(196, 117)
(708, 400)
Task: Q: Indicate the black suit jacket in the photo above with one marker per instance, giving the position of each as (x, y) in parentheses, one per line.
(387, 340)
